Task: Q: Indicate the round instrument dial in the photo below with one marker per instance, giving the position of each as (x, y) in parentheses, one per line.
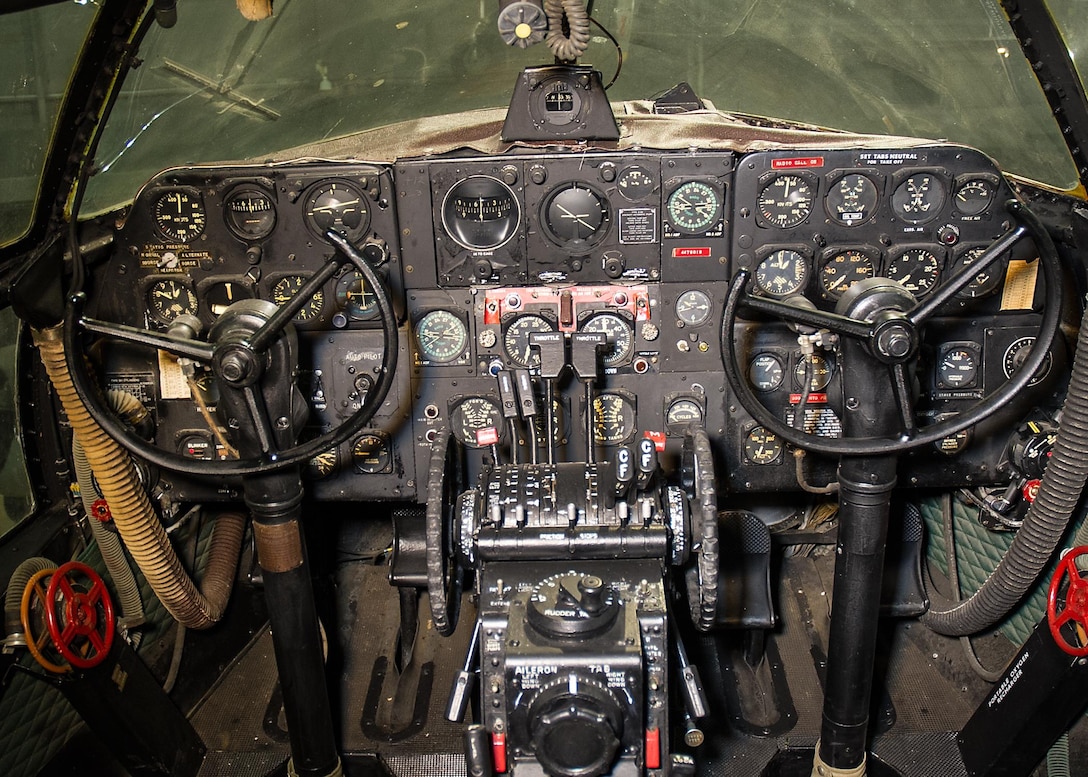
(766, 372)
(851, 200)
(694, 207)
(371, 455)
(987, 281)
(516, 339)
(919, 198)
(682, 413)
(284, 290)
(323, 464)
(473, 415)
(354, 296)
(762, 447)
(442, 336)
(635, 183)
(782, 274)
(621, 337)
(575, 217)
(974, 196)
(917, 269)
(222, 294)
(786, 200)
(167, 299)
(819, 370)
(338, 206)
(613, 419)
(958, 368)
(693, 307)
(1017, 353)
(480, 213)
(843, 270)
(250, 214)
(179, 216)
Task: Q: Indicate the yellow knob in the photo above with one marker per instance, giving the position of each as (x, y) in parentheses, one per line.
(523, 30)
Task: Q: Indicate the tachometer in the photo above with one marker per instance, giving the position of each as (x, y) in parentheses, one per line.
(783, 273)
(851, 200)
(338, 206)
(693, 207)
(786, 200)
(179, 216)
(516, 340)
(621, 337)
(442, 336)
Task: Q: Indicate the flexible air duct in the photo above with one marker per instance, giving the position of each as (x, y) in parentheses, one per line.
(1046, 520)
(13, 599)
(109, 544)
(133, 514)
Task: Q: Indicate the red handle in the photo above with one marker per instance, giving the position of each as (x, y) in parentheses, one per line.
(79, 615)
(1075, 605)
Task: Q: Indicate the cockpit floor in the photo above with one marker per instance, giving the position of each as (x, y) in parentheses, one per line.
(925, 690)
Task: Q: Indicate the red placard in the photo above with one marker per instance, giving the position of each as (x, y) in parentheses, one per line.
(691, 252)
(791, 163)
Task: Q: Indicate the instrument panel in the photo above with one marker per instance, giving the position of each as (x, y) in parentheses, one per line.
(479, 254)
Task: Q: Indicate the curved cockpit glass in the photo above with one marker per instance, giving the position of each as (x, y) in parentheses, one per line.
(933, 70)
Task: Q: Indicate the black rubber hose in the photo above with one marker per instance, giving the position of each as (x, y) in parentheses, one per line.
(1046, 520)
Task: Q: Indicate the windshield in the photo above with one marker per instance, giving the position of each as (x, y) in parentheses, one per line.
(930, 69)
(38, 49)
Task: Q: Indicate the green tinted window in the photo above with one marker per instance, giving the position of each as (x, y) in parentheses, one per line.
(17, 498)
(38, 49)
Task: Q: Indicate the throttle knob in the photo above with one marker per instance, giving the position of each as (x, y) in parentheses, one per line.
(575, 726)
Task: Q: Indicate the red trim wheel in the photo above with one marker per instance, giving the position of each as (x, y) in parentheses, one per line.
(79, 615)
(1073, 607)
